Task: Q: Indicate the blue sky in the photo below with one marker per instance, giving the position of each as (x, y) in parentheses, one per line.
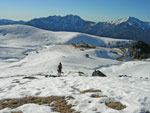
(94, 10)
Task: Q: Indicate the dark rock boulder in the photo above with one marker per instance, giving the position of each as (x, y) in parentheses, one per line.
(98, 73)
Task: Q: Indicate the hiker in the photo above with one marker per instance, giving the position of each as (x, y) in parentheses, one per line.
(59, 69)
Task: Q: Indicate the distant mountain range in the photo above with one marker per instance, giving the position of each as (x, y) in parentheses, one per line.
(126, 28)
(9, 22)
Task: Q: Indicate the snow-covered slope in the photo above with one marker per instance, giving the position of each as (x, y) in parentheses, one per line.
(22, 35)
(29, 51)
(20, 44)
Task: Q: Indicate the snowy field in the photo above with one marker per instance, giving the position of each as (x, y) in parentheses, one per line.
(28, 51)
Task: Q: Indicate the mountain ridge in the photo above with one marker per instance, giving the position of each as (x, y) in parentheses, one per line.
(126, 28)
(9, 22)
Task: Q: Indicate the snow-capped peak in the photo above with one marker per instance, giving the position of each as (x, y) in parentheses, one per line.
(132, 21)
(127, 19)
(123, 20)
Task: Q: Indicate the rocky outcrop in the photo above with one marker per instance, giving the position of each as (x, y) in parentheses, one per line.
(98, 73)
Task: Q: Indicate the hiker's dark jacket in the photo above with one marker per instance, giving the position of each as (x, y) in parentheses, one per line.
(59, 68)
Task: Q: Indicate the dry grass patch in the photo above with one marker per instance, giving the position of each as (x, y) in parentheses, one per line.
(17, 112)
(116, 105)
(70, 98)
(86, 46)
(60, 103)
(90, 91)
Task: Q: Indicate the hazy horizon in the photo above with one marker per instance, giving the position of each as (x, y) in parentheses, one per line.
(97, 10)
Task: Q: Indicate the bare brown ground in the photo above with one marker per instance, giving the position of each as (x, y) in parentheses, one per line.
(116, 105)
(60, 103)
(90, 91)
(17, 112)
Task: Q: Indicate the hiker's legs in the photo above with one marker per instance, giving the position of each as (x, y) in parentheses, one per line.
(59, 74)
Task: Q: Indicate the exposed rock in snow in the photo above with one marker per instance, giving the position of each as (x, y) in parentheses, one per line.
(98, 73)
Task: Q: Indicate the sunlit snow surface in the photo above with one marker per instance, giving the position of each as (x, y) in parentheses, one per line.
(30, 51)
